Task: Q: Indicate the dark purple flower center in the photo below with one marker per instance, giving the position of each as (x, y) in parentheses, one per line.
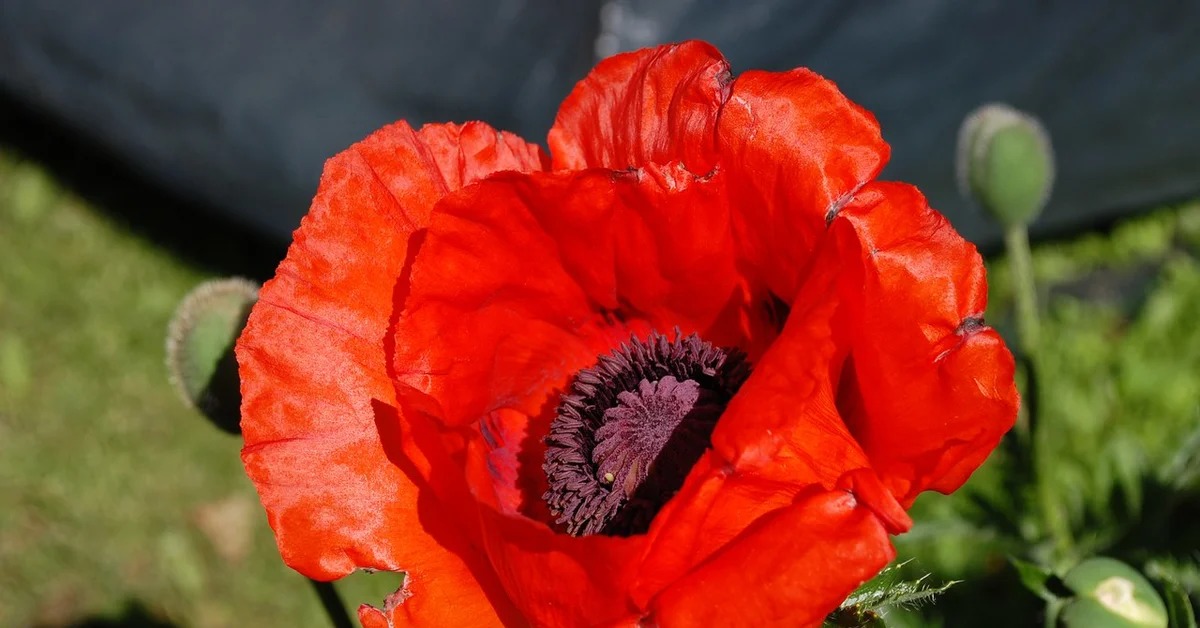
(631, 428)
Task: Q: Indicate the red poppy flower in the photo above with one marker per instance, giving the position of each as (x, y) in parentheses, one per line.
(691, 369)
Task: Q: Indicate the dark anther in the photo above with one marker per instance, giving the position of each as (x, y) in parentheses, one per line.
(970, 325)
(631, 428)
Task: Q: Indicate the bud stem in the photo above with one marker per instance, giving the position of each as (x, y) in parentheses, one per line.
(1016, 240)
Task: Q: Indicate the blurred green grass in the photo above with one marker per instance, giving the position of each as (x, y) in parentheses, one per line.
(113, 495)
(118, 502)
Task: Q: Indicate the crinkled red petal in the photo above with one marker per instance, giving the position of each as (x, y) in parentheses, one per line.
(524, 280)
(319, 410)
(448, 582)
(930, 388)
(655, 105)
(554, 579)
(492, 319)
(779, 437)
(795, 149)
(791, 567)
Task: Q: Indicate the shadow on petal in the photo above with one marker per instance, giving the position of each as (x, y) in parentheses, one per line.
(452, 527)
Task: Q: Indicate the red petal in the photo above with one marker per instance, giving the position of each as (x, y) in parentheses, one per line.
(441, 586)
(316, 393)
(520, 282)
(551, 578)
(713, 507)
(655, 105)
(467, 153)
(930, 389)
(783, 423)
(524, 280)
(795, 149)
(780, 436)
(493, 320)
(792, 567)
(554, 579)
(661, 249)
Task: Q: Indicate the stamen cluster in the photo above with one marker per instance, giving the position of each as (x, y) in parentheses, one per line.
(631, 428)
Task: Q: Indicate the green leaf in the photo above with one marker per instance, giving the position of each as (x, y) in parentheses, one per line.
(1035, 578)
(1183, 470)
(1184, 572)
(866, 606)
(1179, 606)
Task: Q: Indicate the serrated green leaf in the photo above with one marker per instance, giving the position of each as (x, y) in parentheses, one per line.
(912, 595)
(866, 606)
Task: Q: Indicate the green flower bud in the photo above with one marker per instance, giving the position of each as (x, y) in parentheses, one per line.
(1005, 163)
(1111, 593)
(200, 337)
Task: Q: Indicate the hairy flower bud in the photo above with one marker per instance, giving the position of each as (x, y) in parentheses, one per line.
(200, 339)
(1005, 163)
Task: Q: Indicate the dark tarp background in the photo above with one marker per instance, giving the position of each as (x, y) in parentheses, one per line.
(238, 104)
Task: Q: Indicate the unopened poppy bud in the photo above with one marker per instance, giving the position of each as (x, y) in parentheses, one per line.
(1111, 593)
(200, 337)
(1005, 163)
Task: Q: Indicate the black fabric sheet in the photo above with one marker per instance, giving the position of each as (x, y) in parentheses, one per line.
(239, 103)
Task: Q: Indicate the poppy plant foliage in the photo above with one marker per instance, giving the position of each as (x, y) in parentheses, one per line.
(691, 367)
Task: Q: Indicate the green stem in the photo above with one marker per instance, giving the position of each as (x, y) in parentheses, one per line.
(332, 602)
(1053, 513)
(1053, 610)
(1016, 240)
